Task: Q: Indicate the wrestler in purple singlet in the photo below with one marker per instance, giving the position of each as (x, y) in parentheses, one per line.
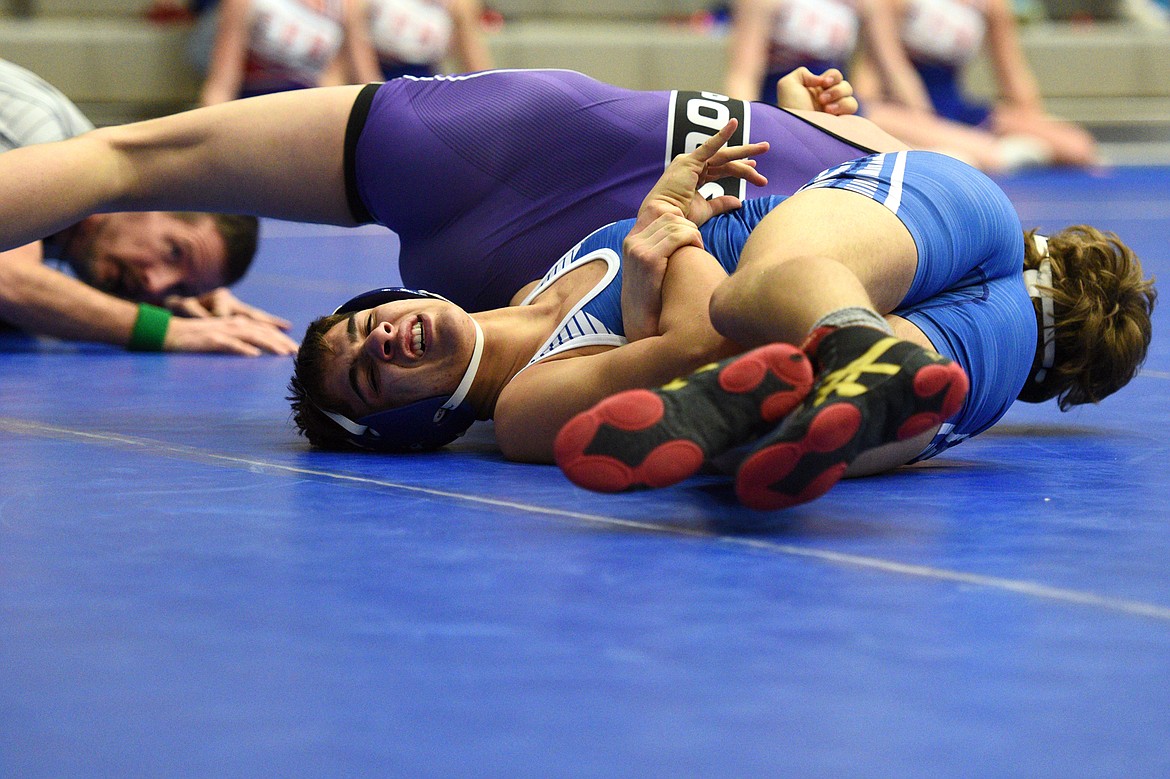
(489, 178)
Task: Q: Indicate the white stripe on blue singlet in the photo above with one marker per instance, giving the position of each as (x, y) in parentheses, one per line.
(880, 178)
(897, 179)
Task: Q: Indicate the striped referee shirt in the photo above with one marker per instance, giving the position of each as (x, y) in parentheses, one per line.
(34, 111)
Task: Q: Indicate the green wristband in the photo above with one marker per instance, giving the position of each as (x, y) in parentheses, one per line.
(150, 329)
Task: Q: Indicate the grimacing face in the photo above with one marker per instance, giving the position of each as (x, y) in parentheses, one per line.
(396, 354)
(150, 255)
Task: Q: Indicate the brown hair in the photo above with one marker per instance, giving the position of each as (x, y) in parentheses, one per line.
(308, 382)
(240, 234)
(1102, 306)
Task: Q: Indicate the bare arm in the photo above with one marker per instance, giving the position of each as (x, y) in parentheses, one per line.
(357, 50)
(747, 53)
(669, 218)
(229, 53)
(41, 300)
(883, 47)
(470, 47)
(276, 155)
(673, 282)
(1017, 84)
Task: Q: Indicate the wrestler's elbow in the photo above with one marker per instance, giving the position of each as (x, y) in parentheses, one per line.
(526, 437)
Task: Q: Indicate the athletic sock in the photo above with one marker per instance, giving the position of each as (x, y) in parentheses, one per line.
(853, 315)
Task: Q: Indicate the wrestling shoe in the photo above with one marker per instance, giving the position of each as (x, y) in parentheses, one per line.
(871, 389)
(654, 438)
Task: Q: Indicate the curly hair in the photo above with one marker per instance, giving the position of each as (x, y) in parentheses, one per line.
(308, 382)
(1102, 304)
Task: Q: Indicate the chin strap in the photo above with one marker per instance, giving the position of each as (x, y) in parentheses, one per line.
(1038, 282)
(468, 376)
(344, 422)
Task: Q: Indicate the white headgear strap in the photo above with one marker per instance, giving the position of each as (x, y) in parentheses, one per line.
(468, 375)
(1038, 282)
(346, 424)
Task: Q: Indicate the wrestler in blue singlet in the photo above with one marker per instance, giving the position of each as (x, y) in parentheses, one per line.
(967, 295)
(488, 178)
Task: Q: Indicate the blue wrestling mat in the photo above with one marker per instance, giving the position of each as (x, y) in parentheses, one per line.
(187, 590)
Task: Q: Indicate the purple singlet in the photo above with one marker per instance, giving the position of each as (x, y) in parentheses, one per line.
(489, 178)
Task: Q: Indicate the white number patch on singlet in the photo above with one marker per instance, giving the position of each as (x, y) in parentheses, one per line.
(295, 37)
(412, 31)
(696, 116)
(823, 30)
(945, 31)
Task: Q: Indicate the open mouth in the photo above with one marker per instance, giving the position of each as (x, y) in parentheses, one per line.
(418, 338)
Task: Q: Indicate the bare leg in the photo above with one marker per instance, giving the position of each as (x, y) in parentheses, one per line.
(819, 251)
(874, 404)
(1070, 144)
(278, 155)
(877, 399)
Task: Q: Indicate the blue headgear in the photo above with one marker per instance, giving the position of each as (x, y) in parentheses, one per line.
(424, 424)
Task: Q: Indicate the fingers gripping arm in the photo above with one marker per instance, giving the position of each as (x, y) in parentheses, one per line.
(645, 255)
(668, 220)
(543, 398)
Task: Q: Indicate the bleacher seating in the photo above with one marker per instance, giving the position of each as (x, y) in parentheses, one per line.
(118, 66)
(115, 68)
(1103, 73)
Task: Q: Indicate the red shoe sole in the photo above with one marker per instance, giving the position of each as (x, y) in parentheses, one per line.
(832, 429)
(678, 459)
(632, 411)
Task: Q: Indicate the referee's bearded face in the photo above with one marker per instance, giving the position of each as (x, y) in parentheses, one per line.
(149, 256)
